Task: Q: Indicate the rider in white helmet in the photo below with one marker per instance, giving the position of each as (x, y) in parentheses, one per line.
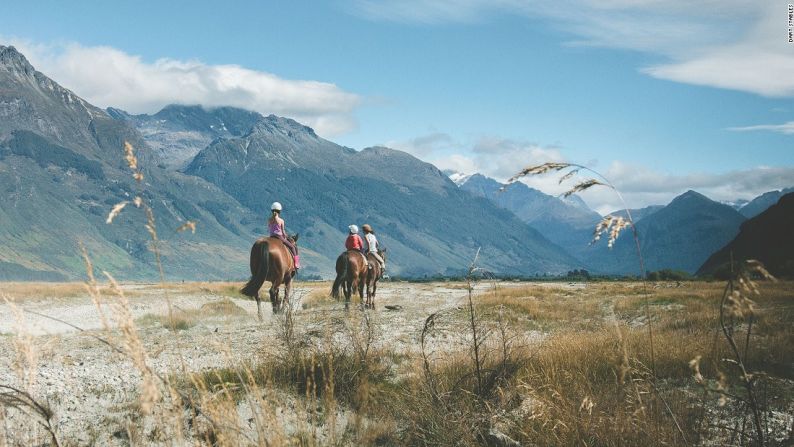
(354, 241)
(276, 228)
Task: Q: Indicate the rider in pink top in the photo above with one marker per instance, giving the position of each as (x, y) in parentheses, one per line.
(275, 226)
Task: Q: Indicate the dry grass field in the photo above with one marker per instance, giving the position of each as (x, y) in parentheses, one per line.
(525, 364)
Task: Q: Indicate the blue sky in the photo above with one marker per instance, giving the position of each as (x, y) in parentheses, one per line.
(662, 96)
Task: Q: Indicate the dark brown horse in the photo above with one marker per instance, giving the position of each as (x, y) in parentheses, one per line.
(351, 274)
(373, 275)
(270, 261)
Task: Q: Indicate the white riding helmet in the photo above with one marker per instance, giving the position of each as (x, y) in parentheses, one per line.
(353, 229)
(275, 206)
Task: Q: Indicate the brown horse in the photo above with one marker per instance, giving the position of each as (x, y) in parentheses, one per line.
(373, 275)
(270, 261)
(351, 273)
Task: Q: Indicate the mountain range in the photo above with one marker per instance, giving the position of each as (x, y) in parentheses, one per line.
(567, 222)
(680, 235)
(62, 169)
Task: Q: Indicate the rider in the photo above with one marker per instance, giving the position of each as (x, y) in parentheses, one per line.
(372, 246)
(275, 225)
(354, 241)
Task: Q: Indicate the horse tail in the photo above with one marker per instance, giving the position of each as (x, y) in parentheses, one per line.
(340, 277)
(258, 277)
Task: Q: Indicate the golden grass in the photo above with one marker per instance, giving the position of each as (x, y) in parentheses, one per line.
(32, 291)
(547, 307)
(589, 382)
(592, 383)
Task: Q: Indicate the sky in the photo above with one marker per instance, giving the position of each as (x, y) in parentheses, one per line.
(661, 96)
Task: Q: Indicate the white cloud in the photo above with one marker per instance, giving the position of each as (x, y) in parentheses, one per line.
(732, 44)
(761, 61)
(640, 186)
(502, 157)
(424, 145)
(107, 77)
(785, 128)
(493, 156)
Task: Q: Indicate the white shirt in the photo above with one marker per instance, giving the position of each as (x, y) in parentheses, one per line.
(372, 243)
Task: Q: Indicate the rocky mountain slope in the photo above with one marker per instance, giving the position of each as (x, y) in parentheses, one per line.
(428, 224)
(62, 169)
(176, 133)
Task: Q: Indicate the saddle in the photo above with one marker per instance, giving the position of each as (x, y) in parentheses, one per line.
(371, 263)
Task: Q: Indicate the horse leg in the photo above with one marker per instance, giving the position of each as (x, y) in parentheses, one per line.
(369, 294)
(258, 307)
(287, 293)
(361, 285)
(374, 289)
(348, 291)
(274, 298)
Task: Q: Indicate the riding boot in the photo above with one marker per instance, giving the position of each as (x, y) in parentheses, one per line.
(297, 262)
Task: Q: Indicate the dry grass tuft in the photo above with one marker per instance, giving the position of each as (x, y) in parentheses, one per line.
(224, 307)
(184, 319)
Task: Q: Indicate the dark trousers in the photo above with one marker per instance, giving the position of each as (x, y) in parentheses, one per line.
(292, 248)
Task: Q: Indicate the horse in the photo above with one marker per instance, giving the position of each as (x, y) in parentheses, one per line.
(373, 275)
(351, 273)
(271, 261)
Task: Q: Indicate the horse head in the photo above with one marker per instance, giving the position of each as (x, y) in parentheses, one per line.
(294, 238)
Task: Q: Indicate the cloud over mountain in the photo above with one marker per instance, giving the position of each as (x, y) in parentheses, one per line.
(107, 76)
(640, 185)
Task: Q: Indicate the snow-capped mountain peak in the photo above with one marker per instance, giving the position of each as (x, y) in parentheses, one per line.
(458, 178)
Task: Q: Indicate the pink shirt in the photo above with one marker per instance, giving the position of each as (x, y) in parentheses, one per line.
(274, 227)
